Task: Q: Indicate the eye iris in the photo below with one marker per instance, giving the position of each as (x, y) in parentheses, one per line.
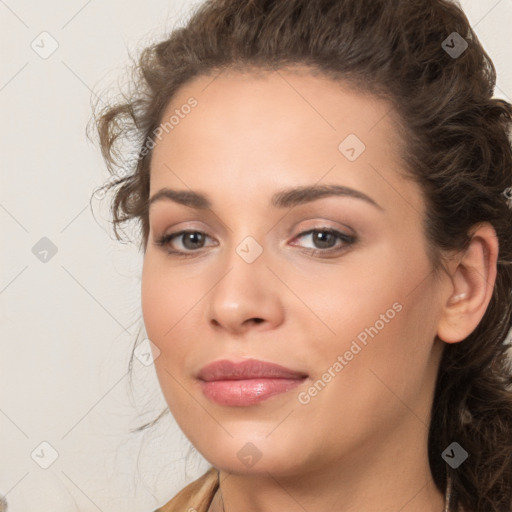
(194, 238)
(320, 237)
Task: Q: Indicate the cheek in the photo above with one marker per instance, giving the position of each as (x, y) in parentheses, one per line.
(351, 301)
(161, 289)
(167, 303)
(158, 301)
(379, 311)
(153, 304)
(160, 309)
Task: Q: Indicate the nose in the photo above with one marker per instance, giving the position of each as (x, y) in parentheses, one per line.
(247, 296)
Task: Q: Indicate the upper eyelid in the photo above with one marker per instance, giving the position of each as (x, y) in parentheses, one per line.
(322, 224)
(302, 232)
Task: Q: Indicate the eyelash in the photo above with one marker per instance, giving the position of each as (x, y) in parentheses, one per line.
(348, 240)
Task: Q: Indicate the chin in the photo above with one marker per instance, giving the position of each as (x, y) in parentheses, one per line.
(250, 455)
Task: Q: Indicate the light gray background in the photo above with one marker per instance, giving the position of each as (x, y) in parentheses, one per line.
(68, 324)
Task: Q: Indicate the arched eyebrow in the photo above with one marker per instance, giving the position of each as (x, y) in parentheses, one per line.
(287, 198)
(299, 195)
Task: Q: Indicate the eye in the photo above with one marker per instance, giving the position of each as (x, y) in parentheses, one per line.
(324, 240)
(191, 240)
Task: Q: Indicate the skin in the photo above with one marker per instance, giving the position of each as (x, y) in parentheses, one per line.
(360, 443)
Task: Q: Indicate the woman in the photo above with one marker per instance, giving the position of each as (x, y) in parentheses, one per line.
(322, 189)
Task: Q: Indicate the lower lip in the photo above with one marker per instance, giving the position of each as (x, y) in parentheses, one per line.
(248, 391)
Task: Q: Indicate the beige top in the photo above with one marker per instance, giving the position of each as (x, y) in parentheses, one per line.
(198, 495)
(195, 497)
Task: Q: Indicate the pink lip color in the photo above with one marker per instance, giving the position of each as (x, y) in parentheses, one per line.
(246, 383)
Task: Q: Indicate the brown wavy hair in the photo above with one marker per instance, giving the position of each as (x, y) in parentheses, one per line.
(457, 147)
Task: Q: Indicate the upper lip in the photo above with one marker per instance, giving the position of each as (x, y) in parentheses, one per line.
(248, 369)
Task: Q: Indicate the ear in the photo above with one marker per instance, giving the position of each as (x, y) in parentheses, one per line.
(472, 278)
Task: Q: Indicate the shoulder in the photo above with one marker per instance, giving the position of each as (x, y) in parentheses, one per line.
(196, 496)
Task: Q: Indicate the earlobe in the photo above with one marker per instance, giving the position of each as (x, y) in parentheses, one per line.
(472, 283)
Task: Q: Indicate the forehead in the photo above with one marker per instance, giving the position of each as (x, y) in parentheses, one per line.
(264, 102)
(259, 131)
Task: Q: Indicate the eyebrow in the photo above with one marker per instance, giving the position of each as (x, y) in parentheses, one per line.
(283, 199)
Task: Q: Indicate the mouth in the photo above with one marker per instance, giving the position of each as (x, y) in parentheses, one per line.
(248, 382)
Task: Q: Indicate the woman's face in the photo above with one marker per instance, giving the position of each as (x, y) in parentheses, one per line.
(336, 287)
